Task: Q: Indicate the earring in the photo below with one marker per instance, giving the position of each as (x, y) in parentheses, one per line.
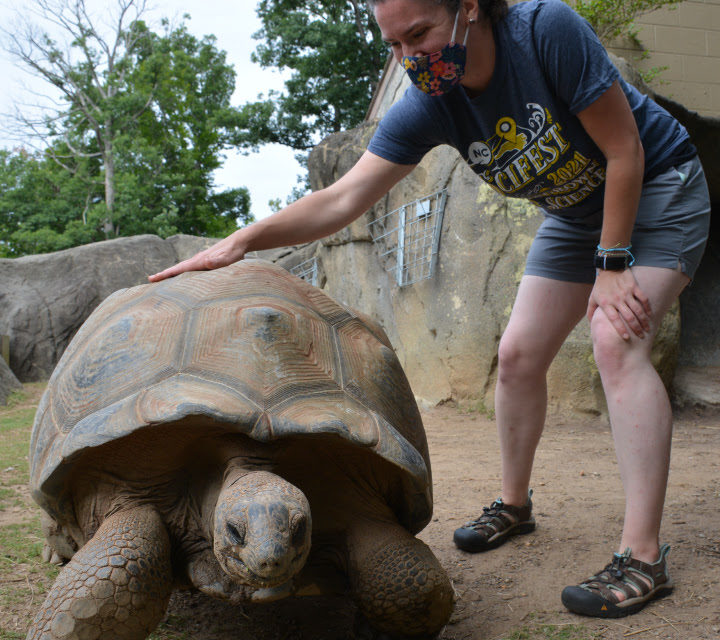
(472, 21)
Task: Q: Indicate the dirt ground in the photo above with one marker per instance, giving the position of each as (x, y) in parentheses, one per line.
(514, 591)
(578, 504)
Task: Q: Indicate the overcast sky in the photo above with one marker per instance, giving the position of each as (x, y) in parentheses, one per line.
(272, 172)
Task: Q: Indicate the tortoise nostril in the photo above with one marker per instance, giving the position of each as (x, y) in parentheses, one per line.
(269, 564)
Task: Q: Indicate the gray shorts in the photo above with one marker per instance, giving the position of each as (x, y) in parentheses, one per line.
(670, 230)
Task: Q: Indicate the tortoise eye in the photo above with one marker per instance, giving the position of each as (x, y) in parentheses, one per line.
(299, 525)
(236, 533)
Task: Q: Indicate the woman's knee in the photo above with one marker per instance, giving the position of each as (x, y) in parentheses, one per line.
(609, 348)
(518, 360)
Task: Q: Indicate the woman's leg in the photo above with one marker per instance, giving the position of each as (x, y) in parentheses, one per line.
(544, 313)
(640, 412)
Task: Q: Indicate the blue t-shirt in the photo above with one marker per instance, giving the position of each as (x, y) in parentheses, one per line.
(521, 134)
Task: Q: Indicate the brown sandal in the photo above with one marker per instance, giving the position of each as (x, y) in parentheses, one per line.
(640, 582)
(497, 523)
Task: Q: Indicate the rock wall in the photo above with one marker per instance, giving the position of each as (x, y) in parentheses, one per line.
(45, 298)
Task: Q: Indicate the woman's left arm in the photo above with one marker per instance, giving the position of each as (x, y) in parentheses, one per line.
(611, 124)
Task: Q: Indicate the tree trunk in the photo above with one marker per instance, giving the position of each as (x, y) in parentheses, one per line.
(109, 161)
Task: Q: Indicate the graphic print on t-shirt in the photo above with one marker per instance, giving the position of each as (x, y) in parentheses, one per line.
(534, 161)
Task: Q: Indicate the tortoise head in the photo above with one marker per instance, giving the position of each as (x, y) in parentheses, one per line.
(262, 529)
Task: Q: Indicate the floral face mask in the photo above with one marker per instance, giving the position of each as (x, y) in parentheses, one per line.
(438, 72)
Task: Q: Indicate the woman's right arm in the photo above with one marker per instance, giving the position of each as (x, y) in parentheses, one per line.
(314, 216)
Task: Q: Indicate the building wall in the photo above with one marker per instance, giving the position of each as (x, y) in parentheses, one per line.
(684, 42)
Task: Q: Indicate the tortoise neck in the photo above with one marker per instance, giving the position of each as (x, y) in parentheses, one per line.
(237, 469)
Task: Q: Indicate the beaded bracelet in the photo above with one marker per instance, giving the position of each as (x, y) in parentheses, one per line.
(614, 259)
(624, 250)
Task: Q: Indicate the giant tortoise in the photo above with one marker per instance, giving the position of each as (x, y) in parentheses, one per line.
(240, 432)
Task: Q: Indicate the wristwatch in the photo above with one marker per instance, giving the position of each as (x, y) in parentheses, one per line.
(613, 261)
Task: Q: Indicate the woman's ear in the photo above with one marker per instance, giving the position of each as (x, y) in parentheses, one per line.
(470, 10)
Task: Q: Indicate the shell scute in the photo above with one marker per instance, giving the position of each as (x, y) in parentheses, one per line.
(123, 354)
(373, 376)
(328, 413)
(169, 402)
(284, 352)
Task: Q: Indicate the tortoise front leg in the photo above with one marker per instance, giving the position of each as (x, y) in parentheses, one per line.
(397, 582)
(116, 587)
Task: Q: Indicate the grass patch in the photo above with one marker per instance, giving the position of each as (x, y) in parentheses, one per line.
(15, 428)
(14, 464)
(173, 628)
(10, 498)
(20, 543)
(477, 407)
(16, 420)
(27, 397)
(15, 398)
(13, 419)
(23, 574)
(24, 577)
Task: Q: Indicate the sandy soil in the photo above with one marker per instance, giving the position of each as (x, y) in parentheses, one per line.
(578, 505)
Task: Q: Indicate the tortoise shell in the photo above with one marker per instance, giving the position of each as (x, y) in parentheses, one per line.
(250, 347)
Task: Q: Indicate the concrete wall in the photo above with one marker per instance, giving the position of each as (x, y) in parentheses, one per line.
(683, 41)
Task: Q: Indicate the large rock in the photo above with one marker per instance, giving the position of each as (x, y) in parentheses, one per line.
(45, 298)
(8, 381)
(698, 388)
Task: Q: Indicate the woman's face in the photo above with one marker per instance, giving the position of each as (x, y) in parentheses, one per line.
(415, 27)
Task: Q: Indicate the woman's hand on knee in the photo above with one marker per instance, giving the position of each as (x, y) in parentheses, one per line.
(618, 294)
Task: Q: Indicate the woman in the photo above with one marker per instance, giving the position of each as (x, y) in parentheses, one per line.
(531, 101)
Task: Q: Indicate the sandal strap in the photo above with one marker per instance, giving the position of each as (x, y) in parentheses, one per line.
(634, 578)
(500, 516)
(494, 518)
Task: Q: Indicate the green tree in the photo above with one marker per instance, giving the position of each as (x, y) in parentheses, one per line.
(335, 53)
(144, 120)
(169, 154)
(42, 207)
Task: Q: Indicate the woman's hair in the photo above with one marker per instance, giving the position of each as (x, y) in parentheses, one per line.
(493, 10)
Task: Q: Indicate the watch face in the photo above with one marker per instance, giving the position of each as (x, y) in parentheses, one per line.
(610, 262)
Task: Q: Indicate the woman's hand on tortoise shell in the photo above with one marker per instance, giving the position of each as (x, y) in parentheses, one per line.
(221, 254)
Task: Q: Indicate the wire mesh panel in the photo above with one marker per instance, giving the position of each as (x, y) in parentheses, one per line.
(307, 270)
(409, 237)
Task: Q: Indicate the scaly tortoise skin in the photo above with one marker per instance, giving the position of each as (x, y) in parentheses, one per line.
(240, 432)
